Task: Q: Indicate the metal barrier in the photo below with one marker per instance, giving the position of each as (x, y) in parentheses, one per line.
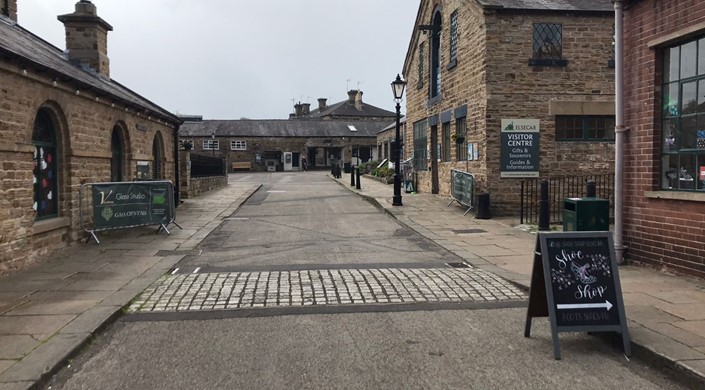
(559, 189)
(121, 205)
(206, 166)
(462, 188)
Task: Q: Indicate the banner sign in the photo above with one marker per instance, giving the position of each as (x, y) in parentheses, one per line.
(118, 205)
(575, 282)
(520, 149)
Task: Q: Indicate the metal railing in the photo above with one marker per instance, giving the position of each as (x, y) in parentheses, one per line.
(206, 166)
(560, 188)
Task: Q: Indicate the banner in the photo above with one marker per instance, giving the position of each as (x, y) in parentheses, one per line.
(118, 205)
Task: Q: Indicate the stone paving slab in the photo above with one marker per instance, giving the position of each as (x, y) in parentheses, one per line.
(236, 290)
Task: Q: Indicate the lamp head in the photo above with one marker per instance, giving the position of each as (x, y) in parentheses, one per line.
(398, 86)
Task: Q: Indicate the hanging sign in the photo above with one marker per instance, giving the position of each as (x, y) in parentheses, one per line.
(575, 282)
(520, 148)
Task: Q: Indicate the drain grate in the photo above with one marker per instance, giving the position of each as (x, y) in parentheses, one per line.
(468, 231)
(457, 265)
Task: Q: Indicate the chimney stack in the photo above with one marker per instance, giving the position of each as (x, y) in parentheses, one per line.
(351, 96)
(306, 108)
(298, 109)
(322, 103)
(87, 37)
(9, 9)
(358, 100)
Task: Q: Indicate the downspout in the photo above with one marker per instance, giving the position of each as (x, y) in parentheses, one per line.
(620, 130)
(177, 178)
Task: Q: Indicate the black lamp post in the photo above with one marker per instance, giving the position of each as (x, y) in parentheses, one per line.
(213, 142)
(398, 90)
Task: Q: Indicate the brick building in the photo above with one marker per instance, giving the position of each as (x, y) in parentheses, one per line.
(343, 133)
(510, 89)
(64, 122)
(664, 153)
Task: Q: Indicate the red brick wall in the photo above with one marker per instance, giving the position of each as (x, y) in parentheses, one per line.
(666, 233)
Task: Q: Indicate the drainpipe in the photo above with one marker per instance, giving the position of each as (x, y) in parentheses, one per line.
(177, 179)
(620, 130)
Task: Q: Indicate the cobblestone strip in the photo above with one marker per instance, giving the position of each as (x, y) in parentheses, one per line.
(236, 290)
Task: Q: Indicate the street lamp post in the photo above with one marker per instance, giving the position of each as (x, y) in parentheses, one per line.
(213, 142)
(398, 90)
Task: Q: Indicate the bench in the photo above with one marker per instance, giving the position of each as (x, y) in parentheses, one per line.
(242, 165)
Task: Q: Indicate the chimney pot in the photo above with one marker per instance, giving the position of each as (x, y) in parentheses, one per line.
(351, 96)
(306, 108)
(322, 103)
(298, 109)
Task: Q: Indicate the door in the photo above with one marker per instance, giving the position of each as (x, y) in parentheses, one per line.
(434, 159)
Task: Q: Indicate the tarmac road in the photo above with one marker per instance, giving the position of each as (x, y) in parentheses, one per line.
(392, 331)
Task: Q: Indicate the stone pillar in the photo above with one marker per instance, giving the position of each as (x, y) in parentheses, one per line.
(87, 37)
(184, 173)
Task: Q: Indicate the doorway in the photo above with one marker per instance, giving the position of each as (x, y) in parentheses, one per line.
(434, 159)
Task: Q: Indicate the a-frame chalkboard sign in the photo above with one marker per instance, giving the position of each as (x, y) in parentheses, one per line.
(575, 282)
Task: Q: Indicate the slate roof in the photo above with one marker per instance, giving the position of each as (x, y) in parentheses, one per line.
(283, 128)
(347, 109)
(393, 126)
(18, 44)
(550, 5)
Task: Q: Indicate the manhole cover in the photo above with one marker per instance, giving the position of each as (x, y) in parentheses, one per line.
(458, 265)
(468, 231)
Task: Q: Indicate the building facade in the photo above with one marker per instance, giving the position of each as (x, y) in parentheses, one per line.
(664, 153)
(508, 90)
(342, 134)
(64, 123)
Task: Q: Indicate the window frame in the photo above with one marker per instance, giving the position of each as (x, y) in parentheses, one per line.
(211, 144)
(434, 90)
(461, 129)
(422, 72)
(234, 145)
(420, 136)
(682, 144)
(538, 58)
(585, 128)
(453, 41)
(446, 142)
(44, 147)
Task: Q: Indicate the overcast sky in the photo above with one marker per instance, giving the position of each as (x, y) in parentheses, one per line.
(227, 59)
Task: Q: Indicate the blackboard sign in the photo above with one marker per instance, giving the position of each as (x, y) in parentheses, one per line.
(575, 282)
(462, 188)
(129, 204)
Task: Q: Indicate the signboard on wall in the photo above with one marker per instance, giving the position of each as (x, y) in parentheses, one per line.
(520, 148)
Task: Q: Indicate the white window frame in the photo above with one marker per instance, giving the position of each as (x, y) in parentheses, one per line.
(210, 144)
(238, 145)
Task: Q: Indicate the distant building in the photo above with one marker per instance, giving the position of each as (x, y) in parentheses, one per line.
(664, 153)
(343, 133)
(64, 122)
(481, 73)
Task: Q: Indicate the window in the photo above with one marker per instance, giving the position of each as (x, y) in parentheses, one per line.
(453, 40)
(445, 129)
(237, 145)
(420, 146)
(585, 128)
(683, 117)
(116, 160)
(548, 45)
(436, 56)
(422, 49)
(461, 129)
(45, 167)
(157, 157)
(210, 144)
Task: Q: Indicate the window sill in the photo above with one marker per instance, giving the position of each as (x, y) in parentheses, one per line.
(547, 62)
(452, 64)
(419, 85)
(434, 100)
(48, 225)
(676, 195)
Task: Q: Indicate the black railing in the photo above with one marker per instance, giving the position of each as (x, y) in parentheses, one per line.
(560, 188)
(206, 166)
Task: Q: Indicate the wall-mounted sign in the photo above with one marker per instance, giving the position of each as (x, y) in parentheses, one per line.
(575, 282)
(142, 170)
(141, 127)
(520, 148)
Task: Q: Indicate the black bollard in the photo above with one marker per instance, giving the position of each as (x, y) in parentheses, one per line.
(357, 173)
(352, 176)
(591, 191)
(544, 216)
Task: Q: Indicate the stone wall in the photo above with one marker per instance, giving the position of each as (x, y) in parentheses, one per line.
(493, 80)
(664, 229)
(84, 123)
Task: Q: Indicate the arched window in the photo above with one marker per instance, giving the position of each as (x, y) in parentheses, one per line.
(157, 156)
(45, 166)
(116, 160)
(436, 55)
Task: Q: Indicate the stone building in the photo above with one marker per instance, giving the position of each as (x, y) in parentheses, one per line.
(507, 90)
(664, 115)
(386, 138)
(63, 123)
(343, 133)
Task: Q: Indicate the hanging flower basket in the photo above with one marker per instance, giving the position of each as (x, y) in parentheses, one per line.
(458, 139)
(187, 144)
